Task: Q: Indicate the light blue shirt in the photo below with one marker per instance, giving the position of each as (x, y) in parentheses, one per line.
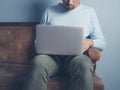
(82, 16)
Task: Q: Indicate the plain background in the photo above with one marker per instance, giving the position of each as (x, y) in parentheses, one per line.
(109, 16)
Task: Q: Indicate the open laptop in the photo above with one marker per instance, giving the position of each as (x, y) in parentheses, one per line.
(59, 40)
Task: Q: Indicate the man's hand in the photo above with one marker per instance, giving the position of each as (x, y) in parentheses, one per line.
(86, 44)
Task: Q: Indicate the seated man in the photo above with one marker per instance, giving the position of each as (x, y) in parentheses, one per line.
(80, 67)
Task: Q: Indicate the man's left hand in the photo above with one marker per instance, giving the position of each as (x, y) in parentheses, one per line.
(86, 44)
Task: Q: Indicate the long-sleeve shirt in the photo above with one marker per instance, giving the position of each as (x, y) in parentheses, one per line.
(82, 16)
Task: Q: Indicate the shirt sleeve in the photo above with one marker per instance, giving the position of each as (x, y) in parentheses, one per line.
(97, 35)
(45, 18)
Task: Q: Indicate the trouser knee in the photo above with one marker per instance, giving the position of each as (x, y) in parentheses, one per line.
(81, 64)
(46, 65)
(39, 64)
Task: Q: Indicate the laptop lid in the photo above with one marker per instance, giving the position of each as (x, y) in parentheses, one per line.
(59, 40)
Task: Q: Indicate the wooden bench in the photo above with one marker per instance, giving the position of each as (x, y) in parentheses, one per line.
(16, 52)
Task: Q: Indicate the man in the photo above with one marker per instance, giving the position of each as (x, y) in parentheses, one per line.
(79, 68)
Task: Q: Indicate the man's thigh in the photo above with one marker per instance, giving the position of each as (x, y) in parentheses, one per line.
(48, 63)
(79, 61)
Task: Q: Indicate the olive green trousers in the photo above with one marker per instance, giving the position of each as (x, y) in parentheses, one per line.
(79, 68)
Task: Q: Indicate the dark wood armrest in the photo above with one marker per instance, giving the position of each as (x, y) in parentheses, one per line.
(93, 53)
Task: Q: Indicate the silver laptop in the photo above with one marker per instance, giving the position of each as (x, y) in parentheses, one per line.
(59, 40)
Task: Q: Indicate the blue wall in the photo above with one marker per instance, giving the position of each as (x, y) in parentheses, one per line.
(23, 10)
(109, 15)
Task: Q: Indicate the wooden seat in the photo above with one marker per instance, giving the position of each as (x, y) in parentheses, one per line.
(16, 52)
(61, 83)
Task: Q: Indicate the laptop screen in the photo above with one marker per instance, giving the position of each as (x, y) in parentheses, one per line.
(59, 40)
